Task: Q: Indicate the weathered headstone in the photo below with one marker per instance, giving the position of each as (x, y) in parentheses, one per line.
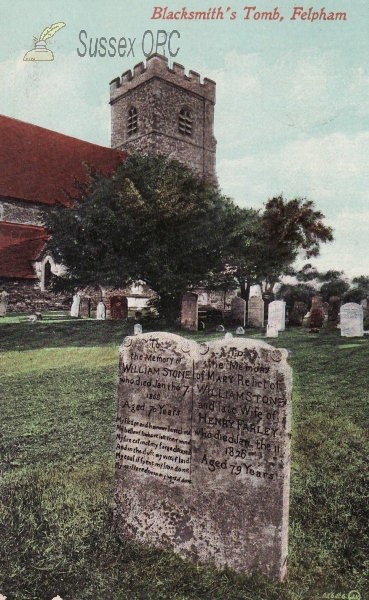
(137, 329)
(228, 335)
(85, 307)
(189, 312)
(256, 312)
(271, 331)
(240, 331)
(3, 303)
(203, 449)
(277, 315)
(298, 313)
(101, 311)
(118, 307)
(219, 328)
(74, 310)
(352, 320)
(238, 311)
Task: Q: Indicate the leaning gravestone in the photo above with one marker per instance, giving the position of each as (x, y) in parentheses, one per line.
(203, 449)
(3, 303)
(352, 320)
(277, 315)
(189, 312)
(256, 312)
(238, 311)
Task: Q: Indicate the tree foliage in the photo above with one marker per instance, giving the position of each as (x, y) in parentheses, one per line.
(153, 220)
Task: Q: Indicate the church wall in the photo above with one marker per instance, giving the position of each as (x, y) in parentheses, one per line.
(25, 296)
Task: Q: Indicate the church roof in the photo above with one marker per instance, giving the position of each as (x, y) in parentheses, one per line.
(20, 245)
(37, 164)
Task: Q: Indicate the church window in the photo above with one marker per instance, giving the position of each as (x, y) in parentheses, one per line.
(185, 122)
(132, 121)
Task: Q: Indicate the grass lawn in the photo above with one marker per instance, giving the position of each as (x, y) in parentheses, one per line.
(57, 394)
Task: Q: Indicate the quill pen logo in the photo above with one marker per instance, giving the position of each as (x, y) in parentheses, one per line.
(40, 52)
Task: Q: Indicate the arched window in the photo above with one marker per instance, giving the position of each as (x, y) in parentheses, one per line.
(132, 121)
(185, 122)
(47, 275)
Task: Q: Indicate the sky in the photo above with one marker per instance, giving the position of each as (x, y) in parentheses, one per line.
(292, 108)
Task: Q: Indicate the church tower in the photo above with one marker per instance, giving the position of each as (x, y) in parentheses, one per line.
(160, 110)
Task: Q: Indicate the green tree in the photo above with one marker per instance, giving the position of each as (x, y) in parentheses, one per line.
(265, 245)
(153, 220)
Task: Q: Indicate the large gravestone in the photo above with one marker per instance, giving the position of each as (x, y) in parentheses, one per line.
(118, 307)
(277, 315)
(256, 312)
(238, 311)
(203, 449)
(3, 303)
(189, 312)
(352, 320)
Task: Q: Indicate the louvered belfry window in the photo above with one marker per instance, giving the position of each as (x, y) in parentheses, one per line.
(185, 122)
(132, 121)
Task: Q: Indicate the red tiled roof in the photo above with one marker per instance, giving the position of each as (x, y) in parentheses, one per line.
(36, 164)
(20, 245)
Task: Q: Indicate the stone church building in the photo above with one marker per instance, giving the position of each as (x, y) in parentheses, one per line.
(155, 109)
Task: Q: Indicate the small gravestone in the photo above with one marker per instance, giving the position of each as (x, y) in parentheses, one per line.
(297, 314)
(228, 335)
(118, 307)
(240, 331)
(3, 303)
(277, 315)
(238, 311)
(189, 312)
(256, 312)
(74, 310)
(85, 307)
(352, 320)
(316, 319)
(101, 311)
(137, 329)
(203, 450)
(219, 328)
(271, 331)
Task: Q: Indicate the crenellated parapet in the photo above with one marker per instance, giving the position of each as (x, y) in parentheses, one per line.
(157, 66)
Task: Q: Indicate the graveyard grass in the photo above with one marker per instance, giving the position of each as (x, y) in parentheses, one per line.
(58, 395)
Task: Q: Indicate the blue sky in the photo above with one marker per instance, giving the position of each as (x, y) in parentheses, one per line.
(292, 112)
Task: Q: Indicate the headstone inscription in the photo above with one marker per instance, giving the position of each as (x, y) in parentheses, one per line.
(203, 449)
(118, 307)
(256, 312)
(3, 303)
(238, 311)
(277, 315)
(189, 312)
(352, 320)
(74, 309)
(101, 311)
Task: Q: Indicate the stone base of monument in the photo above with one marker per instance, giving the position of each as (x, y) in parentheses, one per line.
(203, 450)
